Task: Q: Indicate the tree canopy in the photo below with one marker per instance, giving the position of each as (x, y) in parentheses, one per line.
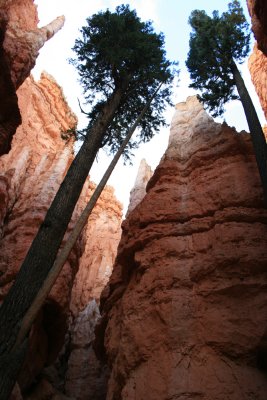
(215, 43)
(117, 47)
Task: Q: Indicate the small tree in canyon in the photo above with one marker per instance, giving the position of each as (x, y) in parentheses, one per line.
(121, 62)
(216, 44)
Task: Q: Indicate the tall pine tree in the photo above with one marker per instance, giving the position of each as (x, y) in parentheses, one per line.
(217, 43)
(121, 61)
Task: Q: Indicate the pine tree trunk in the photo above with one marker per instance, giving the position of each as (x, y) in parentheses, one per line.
(257, 135)
(42, 253)
(48, 283)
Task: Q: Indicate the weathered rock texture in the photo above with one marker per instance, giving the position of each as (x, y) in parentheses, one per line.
(85, 378)
(185, 311)
(30, 175)
(33, 170)
(101, 237)
(20, 42)
(139, 190)
(258, 69)
(258, 13)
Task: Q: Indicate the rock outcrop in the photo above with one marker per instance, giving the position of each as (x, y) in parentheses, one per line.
(85, 377)
(33, 171)
(100, 237)
(139, 190)
(30, 175)
(258, 13)
(258, 70)
(20, 42)
(185, 310)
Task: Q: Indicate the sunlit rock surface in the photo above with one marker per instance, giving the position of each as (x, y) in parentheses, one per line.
(185, 311)
(258, 70)
(20, 42)
(139, 190)
(30, 175)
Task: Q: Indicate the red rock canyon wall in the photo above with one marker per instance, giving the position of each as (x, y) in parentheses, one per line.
(185, 311)
(20, 42)
(30, 175)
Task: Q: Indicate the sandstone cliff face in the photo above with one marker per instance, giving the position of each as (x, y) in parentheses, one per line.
(139, 190)
(33, 170)
(185, 311)
(258, 70)
(30, 175)
(20, 42)
(85, 377)
(100, 237)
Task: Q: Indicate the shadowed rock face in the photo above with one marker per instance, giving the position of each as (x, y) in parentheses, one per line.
(258, 13)
(185, 311)
(20, 42)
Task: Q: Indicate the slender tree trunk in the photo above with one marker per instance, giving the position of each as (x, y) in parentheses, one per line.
(64, 253)
(42, 253)
(257, 135)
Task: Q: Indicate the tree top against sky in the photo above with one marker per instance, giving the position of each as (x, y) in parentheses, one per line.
(118, 51)
(215, 43)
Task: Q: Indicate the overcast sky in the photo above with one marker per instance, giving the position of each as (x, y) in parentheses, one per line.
(169, 17)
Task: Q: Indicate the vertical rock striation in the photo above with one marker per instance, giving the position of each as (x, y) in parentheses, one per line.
(139, 190)
(100, 237)
(33, 171)
(185, 311)
(257, 64)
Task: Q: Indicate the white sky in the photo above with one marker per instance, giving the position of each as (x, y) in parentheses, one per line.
(169, 17)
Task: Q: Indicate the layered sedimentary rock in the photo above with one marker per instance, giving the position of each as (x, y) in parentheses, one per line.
(33, 170)
(185, 311)
(101, 237)
(139, 190)
(20, 42)
(30, 175)
(85, 376)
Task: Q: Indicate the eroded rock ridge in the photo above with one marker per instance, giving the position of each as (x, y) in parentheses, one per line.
(185, 311)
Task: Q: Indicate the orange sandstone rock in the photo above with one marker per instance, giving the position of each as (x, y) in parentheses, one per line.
(20, 42)
(34, 169)
(100, 237)
(30, 175)
(185, 310)
(258, 70)
(139, 190)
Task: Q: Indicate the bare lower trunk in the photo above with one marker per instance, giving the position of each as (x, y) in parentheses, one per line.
(64, 253)
(42, 253)
(257, 135)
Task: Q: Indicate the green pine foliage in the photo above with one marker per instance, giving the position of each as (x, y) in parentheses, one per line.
(117, 47)
(214, 43)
